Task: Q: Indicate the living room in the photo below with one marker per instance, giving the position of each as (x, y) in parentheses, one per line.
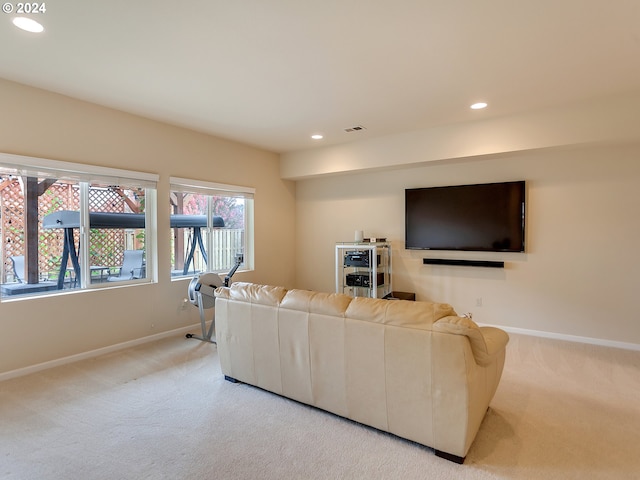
(579, 258)
(575, 281)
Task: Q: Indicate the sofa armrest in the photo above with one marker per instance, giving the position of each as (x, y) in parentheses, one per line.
(486, 342)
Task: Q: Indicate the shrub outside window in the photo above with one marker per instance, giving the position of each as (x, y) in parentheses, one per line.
(211, 227)
(66, 226)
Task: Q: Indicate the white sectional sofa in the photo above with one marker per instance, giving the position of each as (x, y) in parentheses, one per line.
(414, 369)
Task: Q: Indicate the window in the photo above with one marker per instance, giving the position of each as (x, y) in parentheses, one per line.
(211, 227)
(66, 226)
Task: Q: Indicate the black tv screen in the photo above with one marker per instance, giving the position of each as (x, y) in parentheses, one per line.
(486, 217)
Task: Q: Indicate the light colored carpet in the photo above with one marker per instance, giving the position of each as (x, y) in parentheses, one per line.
(163, 411)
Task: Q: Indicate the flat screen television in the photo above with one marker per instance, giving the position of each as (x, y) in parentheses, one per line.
(486, 217)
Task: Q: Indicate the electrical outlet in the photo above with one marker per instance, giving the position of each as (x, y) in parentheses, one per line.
(479, 302)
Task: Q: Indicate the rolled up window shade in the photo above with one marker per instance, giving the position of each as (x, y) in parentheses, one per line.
(44, 168)
(186, 185)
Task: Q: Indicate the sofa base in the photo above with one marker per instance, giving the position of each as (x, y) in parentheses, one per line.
(450, 457)
(439, 453)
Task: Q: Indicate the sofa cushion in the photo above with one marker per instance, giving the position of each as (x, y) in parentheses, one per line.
(401, 313)
(252, 293)
(334, 304)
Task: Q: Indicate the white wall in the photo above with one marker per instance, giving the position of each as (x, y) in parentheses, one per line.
(42, 124)
(579, 276)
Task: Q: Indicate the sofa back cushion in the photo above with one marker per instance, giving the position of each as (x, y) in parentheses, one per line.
(253, 293)
(420, 315)
(398, 313)
(333, 304)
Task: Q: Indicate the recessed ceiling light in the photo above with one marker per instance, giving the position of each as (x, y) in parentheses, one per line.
(317, 136)
(28, 24)
(479, 106)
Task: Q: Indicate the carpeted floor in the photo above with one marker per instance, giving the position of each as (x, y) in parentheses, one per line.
(163, 411)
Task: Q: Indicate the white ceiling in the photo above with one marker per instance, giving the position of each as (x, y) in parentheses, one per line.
(271, 72)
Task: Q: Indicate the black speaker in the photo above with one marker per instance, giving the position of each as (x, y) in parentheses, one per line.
(463, 263)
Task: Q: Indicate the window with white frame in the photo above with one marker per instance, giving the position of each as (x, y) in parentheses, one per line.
(211, 227)
(66, 226)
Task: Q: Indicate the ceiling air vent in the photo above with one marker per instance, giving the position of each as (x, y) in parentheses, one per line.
(356, 128)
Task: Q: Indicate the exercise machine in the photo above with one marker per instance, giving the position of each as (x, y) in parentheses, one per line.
(201, 293)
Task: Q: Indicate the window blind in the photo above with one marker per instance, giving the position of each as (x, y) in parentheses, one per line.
(186, 185)
(44, 168)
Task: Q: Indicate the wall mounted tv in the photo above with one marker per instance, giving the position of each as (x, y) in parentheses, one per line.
(487, 217)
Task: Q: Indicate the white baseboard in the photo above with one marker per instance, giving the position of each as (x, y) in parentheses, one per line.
(139, 341)
(569, 338)
(95, 353)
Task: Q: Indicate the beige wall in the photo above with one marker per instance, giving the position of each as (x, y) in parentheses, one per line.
(41, 124)
(579, 276)
(611, 120)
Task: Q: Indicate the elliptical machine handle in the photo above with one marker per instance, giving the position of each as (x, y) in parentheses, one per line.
(227, 278)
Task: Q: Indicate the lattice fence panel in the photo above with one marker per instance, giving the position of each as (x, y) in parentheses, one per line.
(12, 226)
(106, 246)
(59, 196)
